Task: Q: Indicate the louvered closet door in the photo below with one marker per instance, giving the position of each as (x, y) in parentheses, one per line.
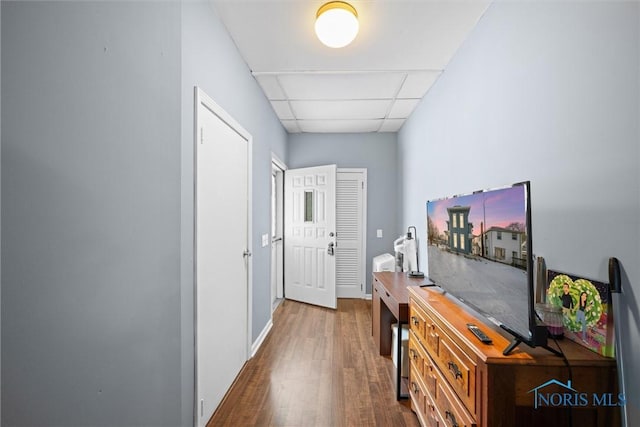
(349, 229)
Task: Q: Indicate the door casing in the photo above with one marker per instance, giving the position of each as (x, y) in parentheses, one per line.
(277, 245)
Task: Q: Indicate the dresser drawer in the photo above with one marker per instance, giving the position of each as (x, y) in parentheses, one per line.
(423, 402)
(416, 354)
(431, 416)
(430, 376)
(459, 370)
(387, 298)
(424, 327)
(417, 320)
(451, 410)
(432, 335)
(417, 391)
(422, 363)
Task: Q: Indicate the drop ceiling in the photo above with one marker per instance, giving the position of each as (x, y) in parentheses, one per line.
(373, 84)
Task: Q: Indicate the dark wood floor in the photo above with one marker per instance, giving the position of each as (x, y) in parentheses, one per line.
(317, 367)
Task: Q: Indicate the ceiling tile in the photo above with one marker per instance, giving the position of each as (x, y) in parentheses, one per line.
(282, 110)
(391, 125)
(270, 86)
(371, 85)
(339, 126)
(401, 49)
(277, 35)
(402, 108)
(340, 110)
(417, 83)
(291, 126)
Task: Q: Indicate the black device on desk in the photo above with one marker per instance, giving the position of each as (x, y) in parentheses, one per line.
(478, 333)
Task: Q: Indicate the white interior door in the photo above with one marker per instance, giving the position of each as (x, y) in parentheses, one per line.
(310, 227)
(351, 230)
(222, 261)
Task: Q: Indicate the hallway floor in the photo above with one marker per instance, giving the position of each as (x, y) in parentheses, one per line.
(317, 367)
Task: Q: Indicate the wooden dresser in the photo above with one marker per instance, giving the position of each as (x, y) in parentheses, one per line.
(457, 381)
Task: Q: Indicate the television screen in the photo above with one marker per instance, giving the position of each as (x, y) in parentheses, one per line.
(479, 249)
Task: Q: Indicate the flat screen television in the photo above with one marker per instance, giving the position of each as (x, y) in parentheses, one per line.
(479, 251)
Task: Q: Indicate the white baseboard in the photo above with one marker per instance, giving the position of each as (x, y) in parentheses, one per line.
(263, 335)
(367, 296)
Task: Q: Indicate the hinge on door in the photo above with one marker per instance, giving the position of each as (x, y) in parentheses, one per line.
(362, 184)
(201, 135)
(202, 407)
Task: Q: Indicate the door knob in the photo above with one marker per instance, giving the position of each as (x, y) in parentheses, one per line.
(330, 248)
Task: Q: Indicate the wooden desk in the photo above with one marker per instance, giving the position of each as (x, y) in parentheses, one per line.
(390, 304)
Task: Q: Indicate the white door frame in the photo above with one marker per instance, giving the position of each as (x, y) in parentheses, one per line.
(203, 100)
(275, 161)
(363, 253)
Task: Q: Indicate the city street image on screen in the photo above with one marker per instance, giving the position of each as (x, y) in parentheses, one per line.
(477, 252)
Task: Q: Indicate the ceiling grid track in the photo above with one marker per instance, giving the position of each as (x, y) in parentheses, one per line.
(371, 85)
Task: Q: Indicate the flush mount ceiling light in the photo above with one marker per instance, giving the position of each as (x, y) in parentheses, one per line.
(337, 24)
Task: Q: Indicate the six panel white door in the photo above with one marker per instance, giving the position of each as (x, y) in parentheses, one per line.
(310, 227)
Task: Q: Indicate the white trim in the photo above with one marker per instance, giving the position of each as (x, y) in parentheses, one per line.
(263, 335)
(196, 103)
(364, 231)
(279, 163)
(367, 296)
(201, 98)
(196, 122)
(249, 242)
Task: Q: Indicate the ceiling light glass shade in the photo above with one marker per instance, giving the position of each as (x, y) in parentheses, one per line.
(337, 24)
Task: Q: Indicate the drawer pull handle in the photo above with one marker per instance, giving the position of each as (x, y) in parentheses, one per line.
(415, 387)
(413, 354)
(387, 293)
(451, 418)
(415, 320)
(455, 370)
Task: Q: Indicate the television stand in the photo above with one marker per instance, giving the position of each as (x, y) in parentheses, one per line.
(511, 346)
(455, 379)
(541, 332)
(517, 341)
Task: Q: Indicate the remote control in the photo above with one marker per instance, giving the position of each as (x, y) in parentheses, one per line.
(478, 333)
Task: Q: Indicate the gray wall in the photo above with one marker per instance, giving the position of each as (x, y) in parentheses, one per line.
(374, 151)
(97, 176)
(547, 92)
(91, 213)
(211, 61)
